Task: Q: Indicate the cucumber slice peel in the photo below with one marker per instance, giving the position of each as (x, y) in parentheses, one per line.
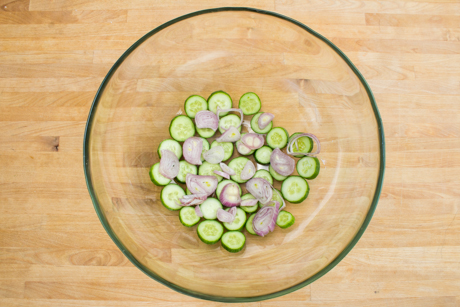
(250, 103)
(210, 231)
(188, 217)
(233, 241)
(285, 219)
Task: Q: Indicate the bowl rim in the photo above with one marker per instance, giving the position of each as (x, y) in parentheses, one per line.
(199, 295)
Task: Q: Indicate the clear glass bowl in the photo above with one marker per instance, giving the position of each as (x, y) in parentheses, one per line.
(302, 78)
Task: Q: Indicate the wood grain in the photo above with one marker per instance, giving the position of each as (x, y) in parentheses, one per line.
(53, 56)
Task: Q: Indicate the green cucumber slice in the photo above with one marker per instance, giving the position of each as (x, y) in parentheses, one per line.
(263, 154)
(275, 175)
(264, 174)
(295, 189)
(228, 148)
(228, 121)
(250, 103)
(277, 138)
(172, 145)
(171, 194)
(210, 231)
(205, 132)
(207, 169)
(221, 99)
(285, 219)
(304, 144)
(209, 208)
(249, 227)
(184, 169)
(195, 104)
(239, 220)
(188, 217)
(157, 178)
(233, 241)
(255, 124)
(181, 128)
(251, 208)
(237, 165)
(308, 167)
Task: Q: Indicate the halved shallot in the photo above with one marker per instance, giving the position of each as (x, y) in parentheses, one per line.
(261, 189)
(232, 134)
(192, 149)
(264, 120)
(197, 184)
(169, 164)
(230, 195)
(198, 211)
(193, 199)
(265, 220)
(222, 174)
(214, 155)
(207, 119)
(248, 171)
(248, 202)
(252, 140)
(226, 216)
(227, 169)
(282, 163)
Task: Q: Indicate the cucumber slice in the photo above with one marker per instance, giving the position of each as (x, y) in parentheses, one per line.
(184, 169)
(222, 184)
(249, 227)
(172, 145)
(195, 104)
(285, 219)
(157, 178)
(262, 155)
(308, 167)
(209, 208)
(277, 138)
(239, 220)
(228, 148)
(188, 217)
(295, 189)
(250, 103)
(210, 231)
(181, 128)
(171, 194)
(205, 132)
(205, 147)
(228, 121)
(187, 191)
(233, 241)
(251, 208)
(275, 175)
(255, 125)
(264, 174)
(304, 144)
(221, 99)
(207, 169)
(237, 165)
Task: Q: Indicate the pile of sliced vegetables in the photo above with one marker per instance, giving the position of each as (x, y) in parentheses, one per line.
(214, 189)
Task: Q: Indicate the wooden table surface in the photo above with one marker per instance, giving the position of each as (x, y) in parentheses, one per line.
(55, 53)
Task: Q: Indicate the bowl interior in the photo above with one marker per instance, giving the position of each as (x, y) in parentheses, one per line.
(301, 79)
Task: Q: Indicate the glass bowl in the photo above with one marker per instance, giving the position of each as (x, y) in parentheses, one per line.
(302, 78)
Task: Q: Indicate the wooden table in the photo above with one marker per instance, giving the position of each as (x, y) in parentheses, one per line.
(53, 56)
